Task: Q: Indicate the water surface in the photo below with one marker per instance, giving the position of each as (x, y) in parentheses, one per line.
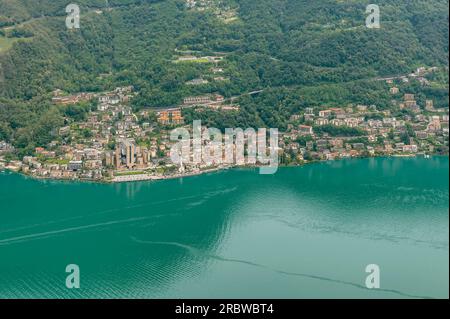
(306, 232)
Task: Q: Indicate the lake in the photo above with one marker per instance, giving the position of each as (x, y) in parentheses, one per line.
(305, 232)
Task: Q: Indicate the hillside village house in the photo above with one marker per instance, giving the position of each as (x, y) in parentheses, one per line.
(197, 82)
(170, 116)
(394, 90)
(5, 147)
(321, 121)
(325, 113)
(203, 100)
(305, 130)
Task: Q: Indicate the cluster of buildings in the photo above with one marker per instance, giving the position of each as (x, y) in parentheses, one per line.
(409, 103)
(214, 72)
(119, 95)
(60, 99)
(173, 116)
(95, 148)
(170, 116)
(128, 155)
(199, 81)
(204, 100)
(193, 58)
(114, 143)
(211, 101)
(379, 132)
(202, 81)
(222, 10)
(65, 162)
(5, 147)
(418, 75)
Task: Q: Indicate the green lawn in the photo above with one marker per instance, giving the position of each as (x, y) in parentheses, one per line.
(130, 173)
(6, 43)
(199, 60)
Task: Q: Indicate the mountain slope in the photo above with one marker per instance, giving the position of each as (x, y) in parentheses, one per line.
(301, 52)
(276, 42)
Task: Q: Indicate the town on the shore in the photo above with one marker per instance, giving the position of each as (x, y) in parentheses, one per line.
(116, 144)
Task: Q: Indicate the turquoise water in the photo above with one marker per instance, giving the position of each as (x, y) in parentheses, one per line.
(306, 232)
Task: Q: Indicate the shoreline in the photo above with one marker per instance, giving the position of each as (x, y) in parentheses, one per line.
(148, 177)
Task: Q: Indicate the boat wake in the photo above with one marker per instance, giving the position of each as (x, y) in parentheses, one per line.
(23, 238)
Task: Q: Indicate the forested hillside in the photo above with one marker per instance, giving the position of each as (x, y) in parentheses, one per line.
(301, 52)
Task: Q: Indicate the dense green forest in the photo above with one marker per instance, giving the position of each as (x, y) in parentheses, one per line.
(301, 52)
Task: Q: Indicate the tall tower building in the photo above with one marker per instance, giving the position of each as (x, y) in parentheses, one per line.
(130, 150)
